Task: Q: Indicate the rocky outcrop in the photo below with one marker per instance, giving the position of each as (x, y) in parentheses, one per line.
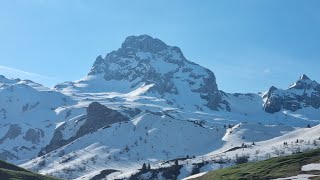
(34, 135)
(98, 116)
(303, 93)
(13, 132)
(7, 155)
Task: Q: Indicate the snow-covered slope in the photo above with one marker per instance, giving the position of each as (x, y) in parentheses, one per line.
(146, 103)
(125, 146)
(160, 140)
(28, 117)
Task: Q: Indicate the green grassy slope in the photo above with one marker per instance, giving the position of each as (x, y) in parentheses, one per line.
(269, 169)
(12, 172)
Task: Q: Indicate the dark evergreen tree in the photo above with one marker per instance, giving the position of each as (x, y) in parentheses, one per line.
(176, 163)
(144, 167)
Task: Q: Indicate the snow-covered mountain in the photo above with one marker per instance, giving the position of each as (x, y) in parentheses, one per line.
(161, 70)
(28, 116)
(304, 93)
(146, 103)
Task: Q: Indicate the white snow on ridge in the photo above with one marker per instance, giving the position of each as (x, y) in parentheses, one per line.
(311, 167)
(195, 176)
(299, 177)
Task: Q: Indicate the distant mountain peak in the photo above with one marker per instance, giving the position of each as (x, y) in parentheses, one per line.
(304, 77)
(144, 43)
(144, 60)
(6, 80)
(2, 77)
(303, 93)
(139, 49)
(304, 82)
(273, 88)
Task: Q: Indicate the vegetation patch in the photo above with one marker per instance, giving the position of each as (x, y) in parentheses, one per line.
(279, 167)
(12, 172)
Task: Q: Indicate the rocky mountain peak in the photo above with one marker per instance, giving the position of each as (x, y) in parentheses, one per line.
(270, 91)
(2, 77)
(303, 93)
(273, 88)
(144, 43)
(304, 77)
(4, 80)
(147, 61)
(305, 83)
(143, 52)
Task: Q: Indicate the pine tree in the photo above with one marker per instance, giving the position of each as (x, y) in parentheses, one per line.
(149, 166)
(144, 167)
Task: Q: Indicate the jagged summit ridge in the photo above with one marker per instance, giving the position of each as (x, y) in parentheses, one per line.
(4, 80)
(139, 48)
(305, 83)
(147, 61)
(144, 43)
(304, 77)
(303, 93)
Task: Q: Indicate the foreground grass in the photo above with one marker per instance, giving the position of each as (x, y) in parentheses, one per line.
(273, 168)
(12, 172)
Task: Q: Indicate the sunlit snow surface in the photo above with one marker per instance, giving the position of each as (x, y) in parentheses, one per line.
(176, 133)
(311, 167)
(160, 132)
(299, 177)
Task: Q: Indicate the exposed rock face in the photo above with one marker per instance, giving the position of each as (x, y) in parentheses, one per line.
(34, 135)
(13, 132)
(6, 155)
(303, 93)
(274, 102)
(131, 112)
(145, 60)
(98, 116)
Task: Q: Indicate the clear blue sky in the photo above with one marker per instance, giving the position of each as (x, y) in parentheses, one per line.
(249, 45)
